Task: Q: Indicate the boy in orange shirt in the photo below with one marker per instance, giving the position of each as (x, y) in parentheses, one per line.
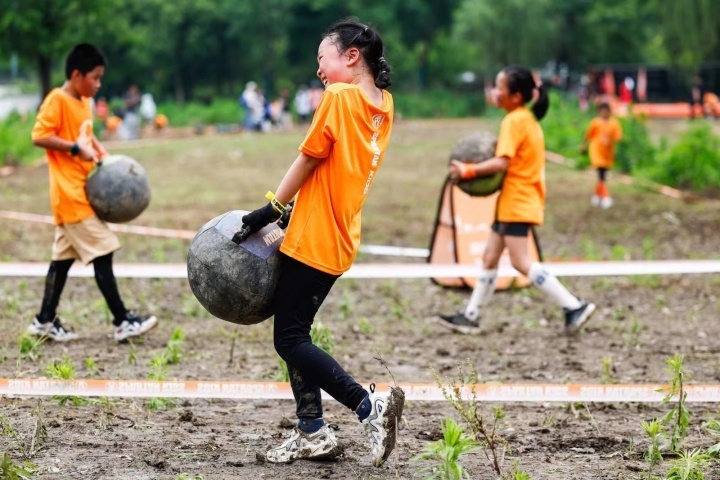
(339, 158)
(602, 135)
(64, 128)
(520, 153)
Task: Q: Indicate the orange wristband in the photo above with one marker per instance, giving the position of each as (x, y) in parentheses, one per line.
(467, 170)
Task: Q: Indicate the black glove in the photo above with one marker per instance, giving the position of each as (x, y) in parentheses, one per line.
(285, 217)
(255, 220)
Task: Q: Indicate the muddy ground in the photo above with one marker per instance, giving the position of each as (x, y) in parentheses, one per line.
(641, 322)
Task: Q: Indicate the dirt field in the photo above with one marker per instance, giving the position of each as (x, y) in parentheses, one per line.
(641, 322)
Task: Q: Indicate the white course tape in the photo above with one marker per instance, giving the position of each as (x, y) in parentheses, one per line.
(398, 270)
(415, 391)
(189, 235)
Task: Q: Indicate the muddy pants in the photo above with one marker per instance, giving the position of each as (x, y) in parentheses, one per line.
(300, 292)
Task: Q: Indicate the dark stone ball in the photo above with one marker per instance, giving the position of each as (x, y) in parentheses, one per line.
(118, 189)
(477, 148)
(235, 282)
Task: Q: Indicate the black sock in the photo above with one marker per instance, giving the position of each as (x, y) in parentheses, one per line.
(105, 279)
(54, 284)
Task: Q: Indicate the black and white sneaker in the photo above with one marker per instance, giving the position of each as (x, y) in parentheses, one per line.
(53, 330)
(321, 444)
(381, 425)
(460, 323)
(575, 319)
(133, 326)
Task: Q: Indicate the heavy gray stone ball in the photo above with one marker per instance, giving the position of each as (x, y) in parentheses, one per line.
(118, 189)
(235, 282)
(477, 148)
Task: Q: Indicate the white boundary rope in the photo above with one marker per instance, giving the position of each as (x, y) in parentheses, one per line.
(397, 270)
(413, 391)
(189, 235)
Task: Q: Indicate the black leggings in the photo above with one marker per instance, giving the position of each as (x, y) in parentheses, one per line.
(104, 276)
(602, 173)
(300, 291)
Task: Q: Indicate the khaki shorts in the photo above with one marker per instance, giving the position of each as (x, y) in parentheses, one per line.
(84, 241)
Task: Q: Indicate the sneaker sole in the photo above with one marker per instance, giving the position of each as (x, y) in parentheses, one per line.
(391, 421)
(582, 320)
(146, 326)
(458, 328)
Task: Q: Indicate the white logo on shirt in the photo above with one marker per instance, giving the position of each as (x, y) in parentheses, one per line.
(377, 120)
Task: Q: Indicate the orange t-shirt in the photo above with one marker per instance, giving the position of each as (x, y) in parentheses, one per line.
(350, 134)
(521, 140)
(68, 118)
(602, 135)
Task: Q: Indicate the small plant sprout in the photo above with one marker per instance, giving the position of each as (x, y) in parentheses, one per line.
(30, 347)
(346, 305)
(91, 365)
(607, 374)
(445, 453)
(60, 370)
(173, 350)
(653, 456)
(11, 471)
(688, 466)
(132, 353)
(679, 417)
(365, 327)
(492, 444)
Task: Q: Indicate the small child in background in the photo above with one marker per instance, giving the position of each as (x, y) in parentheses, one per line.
(602, 135)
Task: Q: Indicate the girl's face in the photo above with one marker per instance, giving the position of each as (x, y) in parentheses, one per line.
(334, 66)
(501, 94)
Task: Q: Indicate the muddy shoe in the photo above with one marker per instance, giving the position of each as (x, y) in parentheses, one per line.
(575, 319)
(460, 323)
(53, 330)
(382, 423)
(321, 444)
(133, 326)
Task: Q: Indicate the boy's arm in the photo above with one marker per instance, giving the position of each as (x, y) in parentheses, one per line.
(61, 145)
(101, 151)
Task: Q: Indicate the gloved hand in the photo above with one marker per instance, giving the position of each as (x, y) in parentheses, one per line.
(285, 217)
(255, 220)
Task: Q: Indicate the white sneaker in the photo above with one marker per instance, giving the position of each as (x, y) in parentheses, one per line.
(53, 330)
(606, 202)
(321, 444)
(133, 326)
(595, 201)
(381, 424)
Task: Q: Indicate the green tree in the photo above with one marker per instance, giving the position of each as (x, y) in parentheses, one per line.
(42, 31)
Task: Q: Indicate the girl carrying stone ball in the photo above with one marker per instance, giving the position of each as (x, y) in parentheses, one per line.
(331, 177)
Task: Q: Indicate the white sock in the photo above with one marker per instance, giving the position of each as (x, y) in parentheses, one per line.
(481, 294)
(548, 283)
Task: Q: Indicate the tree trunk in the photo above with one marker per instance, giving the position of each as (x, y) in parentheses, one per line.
(44, 71)
(423, 67)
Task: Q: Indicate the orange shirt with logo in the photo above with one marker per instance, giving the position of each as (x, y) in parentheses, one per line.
(602, 135)
(68, 118)
(521, 140)
(351, 135)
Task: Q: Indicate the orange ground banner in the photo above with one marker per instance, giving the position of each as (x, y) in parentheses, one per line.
(462, 228)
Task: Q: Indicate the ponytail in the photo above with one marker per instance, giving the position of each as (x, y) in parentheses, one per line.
(542, 103)
(350, 32)
(520, 79)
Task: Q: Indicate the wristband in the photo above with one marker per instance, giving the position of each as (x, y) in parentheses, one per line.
(467, 171)
(74, 149)
(277, 206)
